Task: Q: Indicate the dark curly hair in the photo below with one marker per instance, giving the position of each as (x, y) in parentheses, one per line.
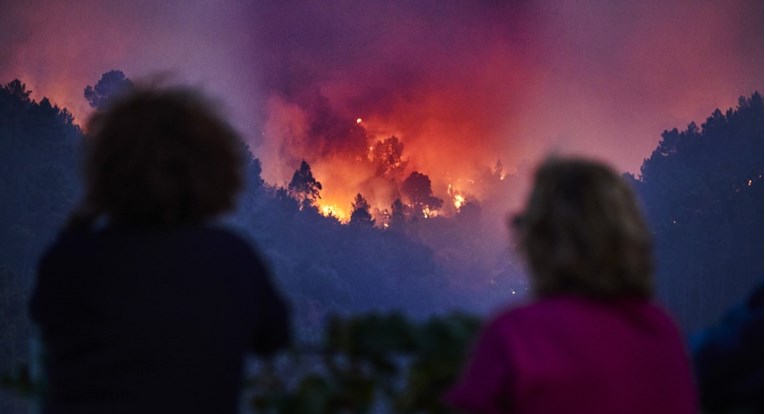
(159, 157)
(583, 233)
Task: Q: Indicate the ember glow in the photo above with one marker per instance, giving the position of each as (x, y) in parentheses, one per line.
(428, 114)
(461, 85)
(333, 211)
(457, 198)
(458, 201)
(377, 172)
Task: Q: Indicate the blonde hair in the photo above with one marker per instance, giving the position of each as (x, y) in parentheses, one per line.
(583, 233)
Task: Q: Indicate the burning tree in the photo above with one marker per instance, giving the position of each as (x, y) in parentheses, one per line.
(397, 214)
(418, 190)
(360, 214)
(304, 187)
(386, 155)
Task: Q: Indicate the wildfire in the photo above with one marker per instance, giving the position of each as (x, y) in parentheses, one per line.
(427, 212)
(333, 211)
(374, 160)
(457, 199)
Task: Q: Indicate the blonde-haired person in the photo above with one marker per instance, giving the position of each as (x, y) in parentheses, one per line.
(143, 304)
(591, 340)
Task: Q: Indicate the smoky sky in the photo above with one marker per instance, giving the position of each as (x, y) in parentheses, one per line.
(462, 83)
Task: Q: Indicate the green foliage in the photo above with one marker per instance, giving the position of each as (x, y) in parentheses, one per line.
(370, 361)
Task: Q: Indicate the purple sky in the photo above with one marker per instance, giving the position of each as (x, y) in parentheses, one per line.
(461, 83)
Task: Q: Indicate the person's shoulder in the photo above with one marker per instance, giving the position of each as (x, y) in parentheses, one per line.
(534, 308)
(68, 253)
(547, 309)
(657, 314)
(233, 242)
(514, 316)
(224, 235)
(68, 241)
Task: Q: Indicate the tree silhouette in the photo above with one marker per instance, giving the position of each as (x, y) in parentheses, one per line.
(304, 187)
(397, 214)
(110, 85)
(417, 189)
(38, 187)
(324, 265)
(360, 212)
(386, 155)
(703, 191)
(18, 90)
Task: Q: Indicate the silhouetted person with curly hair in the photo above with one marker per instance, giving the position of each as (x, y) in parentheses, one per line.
(591, 340)
(143, 304)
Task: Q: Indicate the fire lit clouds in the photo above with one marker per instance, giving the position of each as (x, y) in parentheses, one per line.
(465, 85)
(460, 84)
(342, 81)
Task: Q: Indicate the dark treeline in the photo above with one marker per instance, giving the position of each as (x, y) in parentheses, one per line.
(703, 192)
(328, 267)
(702, 188)
(38, 186)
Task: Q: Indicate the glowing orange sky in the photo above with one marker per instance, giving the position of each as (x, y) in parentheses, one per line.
(462, 84)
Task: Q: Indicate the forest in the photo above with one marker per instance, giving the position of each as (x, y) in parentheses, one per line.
(701, 188)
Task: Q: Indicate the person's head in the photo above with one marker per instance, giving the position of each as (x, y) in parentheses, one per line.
(583, 233)
(159, 157)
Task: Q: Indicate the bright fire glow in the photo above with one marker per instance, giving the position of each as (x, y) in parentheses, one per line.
(351, 164)
(333, 211)
(458, 201)
(428, 213)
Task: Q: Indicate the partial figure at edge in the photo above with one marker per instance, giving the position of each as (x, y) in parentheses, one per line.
(728, 359)
(591, 340)
(142, 303)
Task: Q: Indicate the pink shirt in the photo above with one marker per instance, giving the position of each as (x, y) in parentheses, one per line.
(573, 355)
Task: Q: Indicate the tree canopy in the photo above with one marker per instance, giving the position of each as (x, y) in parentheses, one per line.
(360, 214)
(38, 187)
(111, 84)
(304, 187)
(703, 190)
(418, 190)
(387, 157)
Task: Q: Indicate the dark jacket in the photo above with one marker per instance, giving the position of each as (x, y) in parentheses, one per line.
(152, 320)
(728, 359)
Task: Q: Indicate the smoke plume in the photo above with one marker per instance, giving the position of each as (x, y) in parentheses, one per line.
(460, 84)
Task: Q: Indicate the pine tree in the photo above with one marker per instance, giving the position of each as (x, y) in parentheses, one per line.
(304, 187)
(360, 214)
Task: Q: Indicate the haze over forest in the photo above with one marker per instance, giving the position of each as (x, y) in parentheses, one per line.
(423, 254)
(390, 142)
